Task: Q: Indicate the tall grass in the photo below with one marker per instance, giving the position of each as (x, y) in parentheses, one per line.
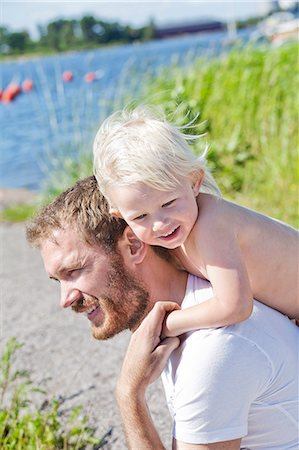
(248, 103)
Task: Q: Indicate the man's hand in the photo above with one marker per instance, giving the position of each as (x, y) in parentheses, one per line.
(147, 354)
(145, 359)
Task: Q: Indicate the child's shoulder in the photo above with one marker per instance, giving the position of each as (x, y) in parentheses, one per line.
(218, 206)
(210, 205)
(215, 222)
(216, 213)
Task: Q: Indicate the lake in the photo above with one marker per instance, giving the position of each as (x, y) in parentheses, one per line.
(58, 119)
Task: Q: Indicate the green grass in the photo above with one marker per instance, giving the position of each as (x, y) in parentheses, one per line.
(18, 213)
(25, 426)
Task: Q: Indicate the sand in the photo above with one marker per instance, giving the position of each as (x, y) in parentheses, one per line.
(59, 350)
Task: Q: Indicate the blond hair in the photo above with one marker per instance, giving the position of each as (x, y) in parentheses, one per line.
(141, 146)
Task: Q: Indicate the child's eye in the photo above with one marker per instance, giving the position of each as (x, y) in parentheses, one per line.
(168, 203)
(142, 216)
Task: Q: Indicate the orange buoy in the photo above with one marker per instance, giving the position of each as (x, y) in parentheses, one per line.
(27, 85)
(67, 76)
(1, 92)
(89, 77)
(11, 92)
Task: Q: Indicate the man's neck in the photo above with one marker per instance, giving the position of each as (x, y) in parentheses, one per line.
(164, 280)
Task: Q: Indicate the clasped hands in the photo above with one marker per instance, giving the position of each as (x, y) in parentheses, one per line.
(147, 352)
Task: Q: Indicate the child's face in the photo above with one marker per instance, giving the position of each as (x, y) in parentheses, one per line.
(162, 218)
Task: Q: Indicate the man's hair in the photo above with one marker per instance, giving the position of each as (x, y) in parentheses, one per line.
(141, 146)
(82, 206)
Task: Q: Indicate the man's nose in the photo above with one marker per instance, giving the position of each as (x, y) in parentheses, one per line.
(68, 296)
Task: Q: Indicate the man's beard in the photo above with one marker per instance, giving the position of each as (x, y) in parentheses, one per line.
(123, 307)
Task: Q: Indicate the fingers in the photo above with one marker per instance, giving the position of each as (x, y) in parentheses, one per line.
(156, 316)
(167, 346)
(163, 352)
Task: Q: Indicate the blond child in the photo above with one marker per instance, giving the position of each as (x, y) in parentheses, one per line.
(151, 178)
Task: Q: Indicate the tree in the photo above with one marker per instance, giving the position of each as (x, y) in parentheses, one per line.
(148, 32)
(4, 33)
(18, 41)
(87, 24)
(67, 38)
(52, 37)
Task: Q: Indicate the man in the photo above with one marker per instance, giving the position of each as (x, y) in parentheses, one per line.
(227, 388)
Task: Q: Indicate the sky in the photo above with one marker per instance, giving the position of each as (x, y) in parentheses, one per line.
(20, 15)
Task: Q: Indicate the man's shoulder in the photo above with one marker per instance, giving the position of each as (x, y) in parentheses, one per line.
(259, 333)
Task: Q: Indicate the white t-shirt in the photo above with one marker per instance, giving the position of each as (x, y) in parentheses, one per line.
(239, 381)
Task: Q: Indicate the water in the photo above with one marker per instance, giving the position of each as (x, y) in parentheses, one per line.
(59, 118)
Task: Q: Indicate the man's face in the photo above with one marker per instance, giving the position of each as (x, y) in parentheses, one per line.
(95, 283)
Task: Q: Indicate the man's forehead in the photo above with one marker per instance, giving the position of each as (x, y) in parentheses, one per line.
(61, 248)
(60, 237)
(66, 247)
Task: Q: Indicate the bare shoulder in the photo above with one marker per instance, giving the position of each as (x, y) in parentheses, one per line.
(213, 211)
(222, 219)
(214, 215)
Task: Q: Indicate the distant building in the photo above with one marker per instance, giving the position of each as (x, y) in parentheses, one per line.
(189, 28)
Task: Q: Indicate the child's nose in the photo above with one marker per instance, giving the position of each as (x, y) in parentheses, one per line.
(158, 224)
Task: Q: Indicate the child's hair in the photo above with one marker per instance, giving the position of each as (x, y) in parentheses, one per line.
(141, 146)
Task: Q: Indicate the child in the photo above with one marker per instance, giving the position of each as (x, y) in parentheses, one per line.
(165, 193)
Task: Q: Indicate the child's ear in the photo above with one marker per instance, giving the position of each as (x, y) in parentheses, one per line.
(197, 179)
(115, 212)
(132, 249)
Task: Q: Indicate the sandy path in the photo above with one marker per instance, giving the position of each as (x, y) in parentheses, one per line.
(59, 351)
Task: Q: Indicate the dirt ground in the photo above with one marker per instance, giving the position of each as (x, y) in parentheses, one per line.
(59, 350)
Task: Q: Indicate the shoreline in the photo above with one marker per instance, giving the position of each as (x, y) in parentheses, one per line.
(38, 55)
(9, 59)
(10, 197)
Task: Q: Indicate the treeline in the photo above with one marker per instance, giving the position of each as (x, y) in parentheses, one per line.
(70, 34)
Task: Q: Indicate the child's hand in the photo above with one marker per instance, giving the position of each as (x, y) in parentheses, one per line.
(172, 324)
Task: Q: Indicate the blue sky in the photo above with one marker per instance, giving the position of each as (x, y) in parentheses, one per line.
(19, 15)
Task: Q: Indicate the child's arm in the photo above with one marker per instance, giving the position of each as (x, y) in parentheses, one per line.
(220, 253)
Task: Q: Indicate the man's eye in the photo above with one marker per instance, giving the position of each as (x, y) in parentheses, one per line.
(71, 272)
(142, 216)
(168, 203)
(55, 279)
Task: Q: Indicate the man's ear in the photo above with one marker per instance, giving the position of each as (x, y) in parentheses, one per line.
(115, 212)
(196, 180)
(132, 249)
